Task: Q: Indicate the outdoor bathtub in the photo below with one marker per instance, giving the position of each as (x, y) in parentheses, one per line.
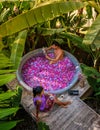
(32, 62)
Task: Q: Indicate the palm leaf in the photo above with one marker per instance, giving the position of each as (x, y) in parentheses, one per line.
(6, 71)
(7, 125)
(17, 48)
(4, 61)
(5, 64)
(6, 78)
(6, 95)
(93, 33)
(7, 111)
(38, 15)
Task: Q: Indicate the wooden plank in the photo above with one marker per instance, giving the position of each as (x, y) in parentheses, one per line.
(77, 116)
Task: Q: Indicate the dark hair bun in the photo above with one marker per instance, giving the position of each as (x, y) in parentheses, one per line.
(37, 90)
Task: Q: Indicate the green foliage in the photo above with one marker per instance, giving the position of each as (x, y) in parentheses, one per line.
(95, 4)
(38, 15)
(41, 19)
(76, 40)
(8, 106)
(7, 111)
(49, 31)
(6, 78)
(15, 100)
(93, 33)
(18, 48)
(6, 95)
(0, 6)
(6, 71)
(93, 77)
(92, 36)
(43, 126)
(89, 11)
(8, 125)
(5, 61)
(4, 64)
(4, 14)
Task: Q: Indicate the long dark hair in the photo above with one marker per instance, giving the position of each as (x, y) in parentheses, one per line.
(37, 90)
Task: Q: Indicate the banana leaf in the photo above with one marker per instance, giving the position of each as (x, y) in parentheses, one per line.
(50, 31)
(1, 44)
(6, 78)
(18, 48)
(93, 33)
(6, 95)
(95, 5)
(96, 42)
(7, 125)
(7, 111)
(38, 15)
(76, 40)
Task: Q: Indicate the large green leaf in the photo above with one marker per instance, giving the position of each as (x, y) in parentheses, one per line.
(93, 33)
(96, 42)
(6, 78)
(95, 4)
(89, 71)
(7, 125)
(6, 95)
(6, 71)
(38, 15)
(4, 61)
(5, 64)
(17, 48)
(76, 40)
(1, 44)
(7, 111)
(50, 31)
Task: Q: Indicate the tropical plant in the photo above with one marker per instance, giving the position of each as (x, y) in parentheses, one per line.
(43, 126)
(92, 36)
(25, 23)
(38, 15)
(8, 103)
(48, 19)
(93, 77)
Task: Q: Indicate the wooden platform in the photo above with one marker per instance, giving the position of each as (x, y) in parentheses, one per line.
(78, 115)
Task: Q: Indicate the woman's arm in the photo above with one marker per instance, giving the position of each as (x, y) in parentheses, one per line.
(53, 59)
(48, 57)
(49, 48)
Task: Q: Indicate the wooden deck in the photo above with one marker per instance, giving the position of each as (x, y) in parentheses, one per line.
(77, 116)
